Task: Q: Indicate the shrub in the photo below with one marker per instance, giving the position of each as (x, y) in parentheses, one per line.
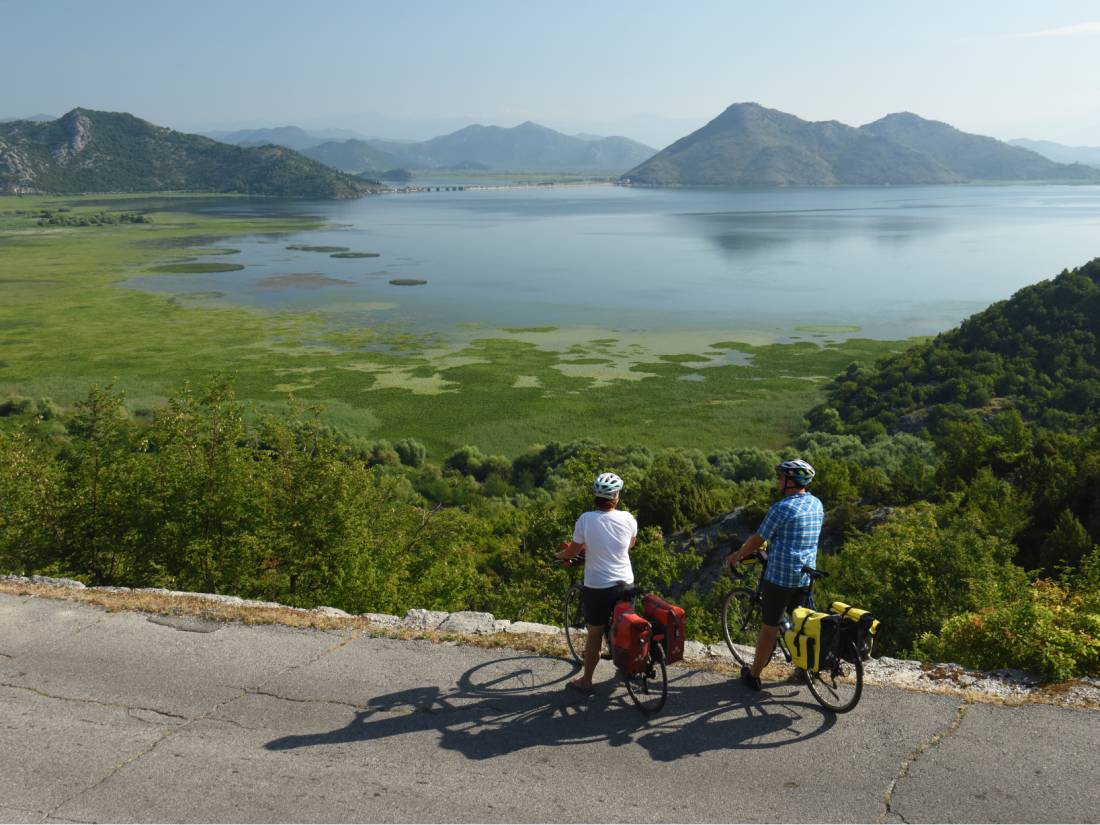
(1052, 632)
(411, 452)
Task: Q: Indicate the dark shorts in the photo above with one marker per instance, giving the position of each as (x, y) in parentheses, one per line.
(776, 600)
(599, 602)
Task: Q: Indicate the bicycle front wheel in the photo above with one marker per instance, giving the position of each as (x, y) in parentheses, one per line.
(649, 689)
(575, 628)
(741, 623)
(838, 686)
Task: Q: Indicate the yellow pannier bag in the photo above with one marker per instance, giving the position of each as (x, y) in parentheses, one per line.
(860, 627)
(810, 636)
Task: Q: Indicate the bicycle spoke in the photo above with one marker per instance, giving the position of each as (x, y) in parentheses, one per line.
(575, 629)
(741, 623)
(839, 687)
(649, 690)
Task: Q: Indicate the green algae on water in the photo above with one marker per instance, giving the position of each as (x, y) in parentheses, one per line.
(305, 247)
(195, 268)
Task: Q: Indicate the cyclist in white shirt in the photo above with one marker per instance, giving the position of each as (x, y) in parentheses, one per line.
(605, 536)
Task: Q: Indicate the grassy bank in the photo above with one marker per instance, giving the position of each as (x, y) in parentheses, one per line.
(66, 323)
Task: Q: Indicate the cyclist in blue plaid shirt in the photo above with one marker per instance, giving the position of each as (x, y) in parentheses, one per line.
(791, 528)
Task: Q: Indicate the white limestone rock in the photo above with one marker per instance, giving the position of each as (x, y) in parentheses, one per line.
(695, 651)
(382, 619)
(335, 612)
(532, 627)
(420, 619)
(719, 652)
(468, 621)
(73, 584)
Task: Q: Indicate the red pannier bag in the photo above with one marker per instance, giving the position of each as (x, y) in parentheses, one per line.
(668, 619)
(629, 638)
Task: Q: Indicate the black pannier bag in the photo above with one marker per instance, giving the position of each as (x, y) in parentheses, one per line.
(859, 627)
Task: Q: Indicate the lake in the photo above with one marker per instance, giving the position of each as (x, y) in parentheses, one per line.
(881, 262)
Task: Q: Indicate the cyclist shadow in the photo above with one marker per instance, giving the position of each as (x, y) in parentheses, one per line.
(726, 716)
(518, 702)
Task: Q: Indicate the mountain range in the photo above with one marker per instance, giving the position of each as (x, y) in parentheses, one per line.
(524, 147)
(292, 137)
(527, 147)
(1060, 152)
(749, 144)
(91, 151)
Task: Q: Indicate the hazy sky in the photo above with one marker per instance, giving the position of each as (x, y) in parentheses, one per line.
(652, 71)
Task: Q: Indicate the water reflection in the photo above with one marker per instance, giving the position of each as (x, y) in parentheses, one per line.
(749, 234)
(892, 261)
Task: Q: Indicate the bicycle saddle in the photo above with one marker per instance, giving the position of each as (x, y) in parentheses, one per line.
(812, 573)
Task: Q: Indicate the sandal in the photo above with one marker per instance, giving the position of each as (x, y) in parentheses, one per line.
(581, 689)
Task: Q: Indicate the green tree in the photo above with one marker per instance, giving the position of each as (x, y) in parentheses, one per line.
(209, 489)
(914, 573)
(675, 494)
(104, 519)
(1067, 545)
(30, 488)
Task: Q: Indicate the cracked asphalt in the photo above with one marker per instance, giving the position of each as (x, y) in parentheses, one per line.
(125, 717)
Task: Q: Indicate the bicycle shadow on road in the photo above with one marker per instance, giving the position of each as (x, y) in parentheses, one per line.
(517, 702)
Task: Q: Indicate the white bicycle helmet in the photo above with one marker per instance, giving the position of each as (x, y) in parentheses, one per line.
(607, 485)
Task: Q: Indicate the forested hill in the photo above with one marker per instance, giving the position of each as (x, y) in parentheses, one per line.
(1037, 352)
(750, 144)
(90, 151)
(1010, 401)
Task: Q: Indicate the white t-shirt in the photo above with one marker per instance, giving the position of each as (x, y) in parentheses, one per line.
(606, 534)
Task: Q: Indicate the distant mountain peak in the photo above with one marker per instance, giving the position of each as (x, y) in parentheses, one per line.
(751, 144)
(912, 119)
(93, 151)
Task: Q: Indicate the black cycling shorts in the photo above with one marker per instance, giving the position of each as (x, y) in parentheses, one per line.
(599, 603)
(776, 600)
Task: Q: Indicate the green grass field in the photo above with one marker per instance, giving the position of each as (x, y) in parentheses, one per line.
(65, 323)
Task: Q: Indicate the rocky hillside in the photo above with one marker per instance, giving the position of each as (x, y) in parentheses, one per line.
(751, 145)
(90, 151)
(973, 157)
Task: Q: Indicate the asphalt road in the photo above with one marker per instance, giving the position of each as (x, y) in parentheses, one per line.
(126, 717)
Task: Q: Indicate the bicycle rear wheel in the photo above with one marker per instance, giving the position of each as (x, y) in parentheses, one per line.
(839, 686)
(575, 629)
(649, 689)
(741, 623)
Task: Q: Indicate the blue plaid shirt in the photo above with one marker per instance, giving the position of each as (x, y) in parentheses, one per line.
(792, 528)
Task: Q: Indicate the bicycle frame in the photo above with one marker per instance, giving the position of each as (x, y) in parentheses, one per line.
(761, 557)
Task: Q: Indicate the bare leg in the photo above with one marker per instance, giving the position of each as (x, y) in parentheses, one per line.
(765, 644)
(591, 655)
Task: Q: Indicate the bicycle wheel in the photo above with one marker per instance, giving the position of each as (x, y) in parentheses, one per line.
(741, 623)
(839, 686)
(575, 628)
(649, 689)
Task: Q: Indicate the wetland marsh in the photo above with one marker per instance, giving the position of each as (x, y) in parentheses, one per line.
(681, 317)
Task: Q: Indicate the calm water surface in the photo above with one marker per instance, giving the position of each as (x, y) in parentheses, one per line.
(893, 262)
